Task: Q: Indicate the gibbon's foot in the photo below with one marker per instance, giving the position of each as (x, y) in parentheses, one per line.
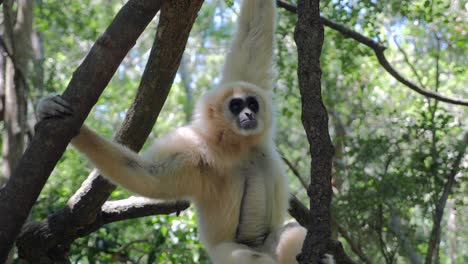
(53, 105)
(245, 256)
(233, 253)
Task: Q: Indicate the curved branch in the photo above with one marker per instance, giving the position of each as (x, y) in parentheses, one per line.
(379, 52)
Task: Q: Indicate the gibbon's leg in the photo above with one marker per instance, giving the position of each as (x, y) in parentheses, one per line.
(250, 56)
(290, 244)
(157, 177)
(234, 253)
(286, 243)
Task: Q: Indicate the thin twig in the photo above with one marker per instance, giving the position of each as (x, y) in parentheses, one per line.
(379, 53)
(355, 246)
(407, 60)
(294, 171)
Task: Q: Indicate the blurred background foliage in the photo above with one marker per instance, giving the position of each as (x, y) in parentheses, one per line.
(394, 148)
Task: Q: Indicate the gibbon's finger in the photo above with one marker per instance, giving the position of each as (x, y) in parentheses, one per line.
(54, 111)
(65, 106)
(50, 116)
(60, 108)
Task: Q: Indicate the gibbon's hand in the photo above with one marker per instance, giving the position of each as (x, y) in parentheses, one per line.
(53, 106)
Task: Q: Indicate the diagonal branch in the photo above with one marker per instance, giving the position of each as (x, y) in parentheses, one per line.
(52, 137)
(355, 247)
(300, 212)
(434, 239)
(63, 227)
(379, 52)
(294, 170)
(408, 62)
(135, 207)
(112, 211)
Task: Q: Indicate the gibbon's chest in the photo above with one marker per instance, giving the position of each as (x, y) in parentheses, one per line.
(240, 210)
(256, 204)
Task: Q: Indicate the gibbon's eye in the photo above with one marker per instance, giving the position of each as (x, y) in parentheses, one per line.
(252, 104)
(236, 105)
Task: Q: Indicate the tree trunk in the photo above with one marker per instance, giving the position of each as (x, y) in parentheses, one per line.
(309, 39)
(18, 45)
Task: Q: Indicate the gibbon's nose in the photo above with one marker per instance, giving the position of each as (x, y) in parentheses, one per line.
(247, 120)
(250, 115)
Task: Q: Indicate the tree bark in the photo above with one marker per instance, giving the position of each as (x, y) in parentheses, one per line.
(2, 93)
(309, 39)
(59, 230)
(52, 136)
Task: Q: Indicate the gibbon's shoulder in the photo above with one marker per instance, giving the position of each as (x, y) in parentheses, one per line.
(184, 142)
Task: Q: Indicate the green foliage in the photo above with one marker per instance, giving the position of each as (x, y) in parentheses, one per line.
(170, 239)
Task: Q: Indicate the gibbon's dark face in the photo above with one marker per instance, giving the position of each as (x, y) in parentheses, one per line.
(245, 109)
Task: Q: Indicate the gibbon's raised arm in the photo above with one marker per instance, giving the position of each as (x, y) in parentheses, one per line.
(250, 56)
(161, 178)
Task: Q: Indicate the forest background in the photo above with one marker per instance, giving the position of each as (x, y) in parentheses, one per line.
(399, 169)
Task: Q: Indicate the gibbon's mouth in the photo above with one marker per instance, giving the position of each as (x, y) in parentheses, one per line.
(248, 124)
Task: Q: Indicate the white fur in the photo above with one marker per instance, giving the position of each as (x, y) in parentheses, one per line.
(250, 56)
(234, 177)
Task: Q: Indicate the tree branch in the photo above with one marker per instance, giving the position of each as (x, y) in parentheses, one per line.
(440, 207)
(407, 60)
(355, 247)
(112, 211)
(294, 171)
(379, 52)
(300, 212)
(85, 205)
(135, 207)
(52, 137)
(395, 227)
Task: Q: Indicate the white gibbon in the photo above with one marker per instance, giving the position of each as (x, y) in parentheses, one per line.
(225, 161)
